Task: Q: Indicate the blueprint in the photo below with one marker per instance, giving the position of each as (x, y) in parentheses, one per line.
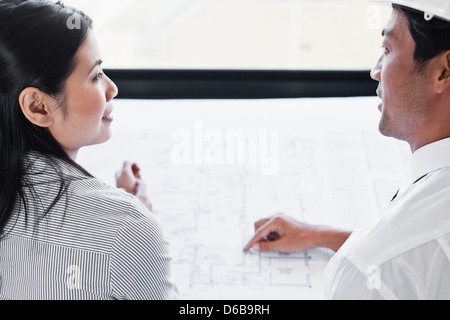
(214, 167)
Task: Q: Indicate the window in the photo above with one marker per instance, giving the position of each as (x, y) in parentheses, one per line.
(237, 34)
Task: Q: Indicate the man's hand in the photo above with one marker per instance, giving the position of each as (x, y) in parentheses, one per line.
(281, 233)
(284, 234)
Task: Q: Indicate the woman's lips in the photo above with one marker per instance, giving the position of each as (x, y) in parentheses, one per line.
(108, 118)
(108, 112)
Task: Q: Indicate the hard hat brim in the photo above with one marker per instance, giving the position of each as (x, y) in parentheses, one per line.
(426, 7)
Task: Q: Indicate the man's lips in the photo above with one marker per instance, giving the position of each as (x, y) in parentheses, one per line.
(380, 95)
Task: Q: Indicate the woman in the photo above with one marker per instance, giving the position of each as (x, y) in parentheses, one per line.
(63, 233)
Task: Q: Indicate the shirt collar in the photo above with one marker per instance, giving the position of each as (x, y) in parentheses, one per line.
(42, 168)
(427, 159)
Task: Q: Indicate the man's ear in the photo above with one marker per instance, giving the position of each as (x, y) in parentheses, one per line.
(34, 105)
(444, 79)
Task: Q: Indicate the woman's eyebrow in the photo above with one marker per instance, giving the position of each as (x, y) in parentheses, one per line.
(97, 63)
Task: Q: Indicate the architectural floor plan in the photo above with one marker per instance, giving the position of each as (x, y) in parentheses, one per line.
(214, 167)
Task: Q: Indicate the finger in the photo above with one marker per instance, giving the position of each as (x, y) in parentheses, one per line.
(261, 235)
(267, 246)
(274, 236)
(260, 223)
(126, 168)
(126, 165)
(272, 246)
(141, 187)
(121, 170)
(256, 238)
(253, 243)
(136, 170)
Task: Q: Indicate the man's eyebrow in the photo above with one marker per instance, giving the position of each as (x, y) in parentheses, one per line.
(97, 63)
(386, 33)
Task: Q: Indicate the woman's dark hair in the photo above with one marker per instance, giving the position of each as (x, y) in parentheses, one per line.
(431, 37)
(38, 44)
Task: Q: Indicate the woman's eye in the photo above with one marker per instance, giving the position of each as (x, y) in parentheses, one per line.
(98, 76)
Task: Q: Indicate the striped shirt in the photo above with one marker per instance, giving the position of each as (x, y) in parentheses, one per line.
(96, 243)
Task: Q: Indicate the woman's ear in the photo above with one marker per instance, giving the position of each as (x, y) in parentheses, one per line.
(33, 103)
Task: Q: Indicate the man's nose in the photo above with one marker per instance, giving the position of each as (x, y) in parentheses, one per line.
(376, 71)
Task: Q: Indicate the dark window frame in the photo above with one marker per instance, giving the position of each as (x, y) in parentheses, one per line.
(240, 84)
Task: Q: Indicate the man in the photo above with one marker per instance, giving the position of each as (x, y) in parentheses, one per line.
(405, 254)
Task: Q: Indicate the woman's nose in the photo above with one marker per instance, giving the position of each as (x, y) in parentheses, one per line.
(112, 90)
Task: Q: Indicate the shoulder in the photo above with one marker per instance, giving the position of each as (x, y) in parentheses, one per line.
(140, 258)
(419, 215)
(124, 217)
(425, 188)
(94, 215)
(91, 192)
(121, 211)
(344, 281)
(91, 213)
(420, 273)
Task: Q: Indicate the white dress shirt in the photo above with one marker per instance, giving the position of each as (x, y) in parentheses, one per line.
(405, 254)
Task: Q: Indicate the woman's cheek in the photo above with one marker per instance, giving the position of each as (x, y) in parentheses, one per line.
(91, 107)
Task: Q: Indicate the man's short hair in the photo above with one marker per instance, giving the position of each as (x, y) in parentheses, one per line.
(431, 37)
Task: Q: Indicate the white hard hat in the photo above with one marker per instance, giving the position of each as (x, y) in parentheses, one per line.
(431, 8)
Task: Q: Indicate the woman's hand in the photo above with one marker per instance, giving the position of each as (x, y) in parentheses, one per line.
(126, 178)
(129, 179)
(284, 234)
